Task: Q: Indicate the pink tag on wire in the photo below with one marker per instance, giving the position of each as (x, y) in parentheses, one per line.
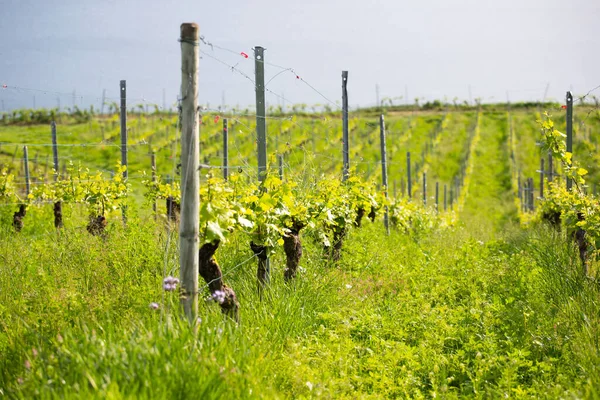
(297, 77)
(4, 86)
(217, 118)
(244, 54)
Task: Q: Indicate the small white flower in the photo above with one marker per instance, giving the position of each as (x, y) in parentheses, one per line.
(154, 306)
(309, 385)
(348, 286)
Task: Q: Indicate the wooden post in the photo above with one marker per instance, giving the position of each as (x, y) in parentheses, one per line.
(225, 149)
(570, 132)
(190, 160)
(408, 179)
(345, 151)
(123, 91)
(384, 177)
(261, 122)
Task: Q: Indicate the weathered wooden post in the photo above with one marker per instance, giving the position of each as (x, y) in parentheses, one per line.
(190, 160)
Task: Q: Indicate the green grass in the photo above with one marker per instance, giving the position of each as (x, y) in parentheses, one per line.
(483, 309)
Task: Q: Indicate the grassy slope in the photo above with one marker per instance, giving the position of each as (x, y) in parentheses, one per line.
(489, 205)
(447, 313)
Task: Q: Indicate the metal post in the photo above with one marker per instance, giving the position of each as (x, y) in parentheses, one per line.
(261, 134)
(190, 180)
(445, 202)
(123, 87)
(26, 165)
(225, 149)
(384, 177)
(570, 132)
(550, 172)
(408, 179)
(153, 167)
(54, 149)
(437, 196)
(261, 122)
(280, 162)
(542, 178)
(103, 101)
(346, 169)
(531, 197)
(424, 188)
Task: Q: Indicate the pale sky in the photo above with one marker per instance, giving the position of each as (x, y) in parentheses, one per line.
(433, 49)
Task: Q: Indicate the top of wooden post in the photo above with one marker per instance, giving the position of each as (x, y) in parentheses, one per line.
(189, 30)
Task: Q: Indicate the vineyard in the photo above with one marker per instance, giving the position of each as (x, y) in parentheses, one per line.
(475, 291)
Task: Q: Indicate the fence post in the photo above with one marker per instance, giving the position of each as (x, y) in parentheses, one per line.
(261, 122)
(280, 162)
(26, 165)
(530, 193)
(58, 223)
(408, 175)
(345, 151)
(225, 149)
(123, 91)
(190, 182)
(570, 132)
(424, 188)
(550, 172)
(542, 178)
(437, 196)
(264, 270)
(445, 202)
(384, 177)
(153, 167)
(103, 101)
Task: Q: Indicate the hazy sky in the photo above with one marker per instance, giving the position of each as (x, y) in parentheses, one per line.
(431, 48)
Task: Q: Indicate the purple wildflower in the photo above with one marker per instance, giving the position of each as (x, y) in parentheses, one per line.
(219, 296)
(154, 306)
(170, 283)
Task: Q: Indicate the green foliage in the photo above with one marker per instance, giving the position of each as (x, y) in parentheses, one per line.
(574, 208)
